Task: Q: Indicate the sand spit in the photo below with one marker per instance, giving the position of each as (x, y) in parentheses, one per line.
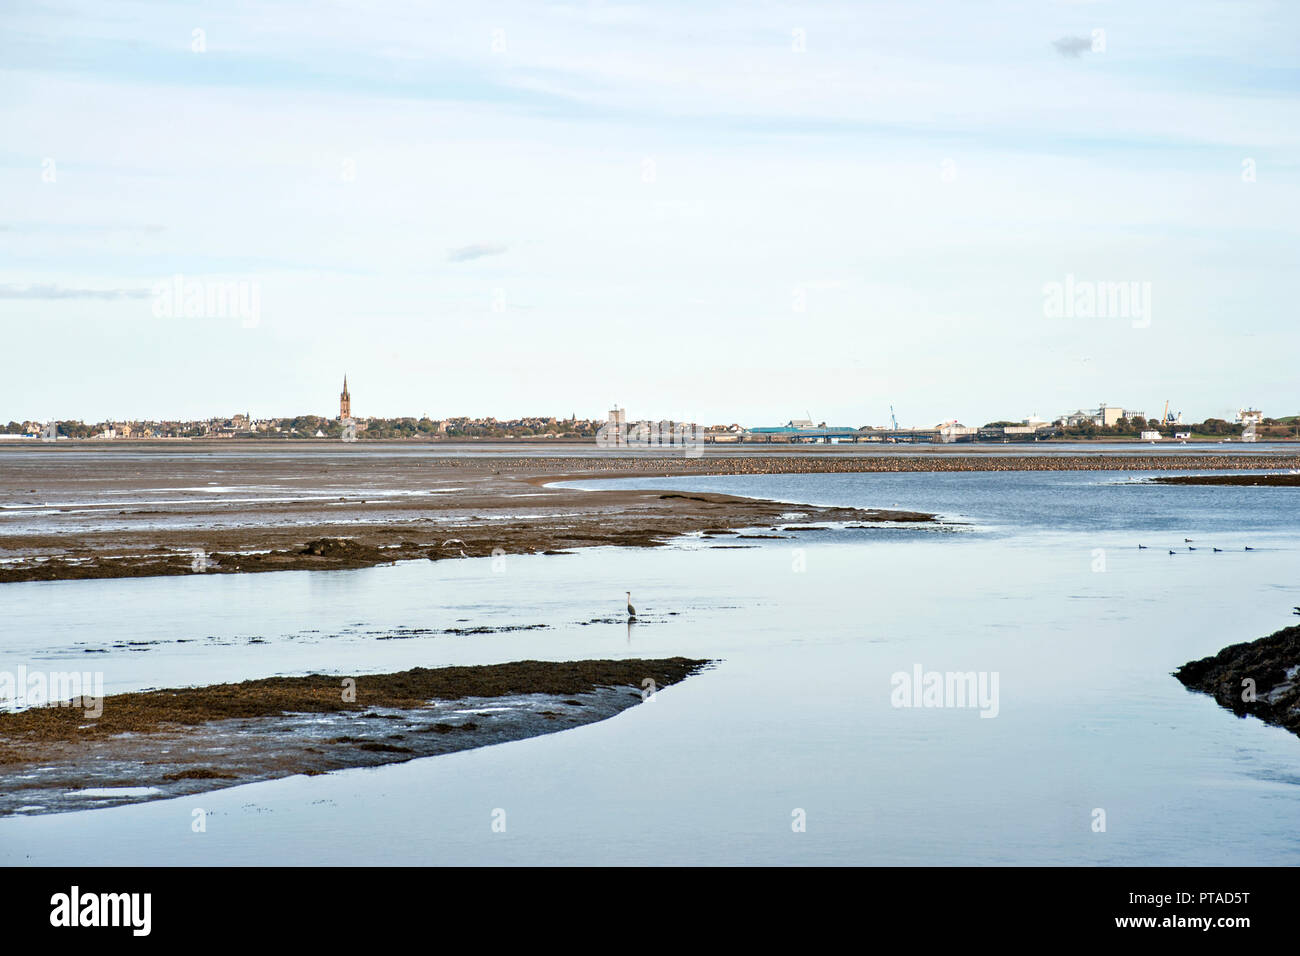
(165, 743)
(1250, 481)
(113, 515)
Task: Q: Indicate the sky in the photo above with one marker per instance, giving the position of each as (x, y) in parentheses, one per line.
(707, 211)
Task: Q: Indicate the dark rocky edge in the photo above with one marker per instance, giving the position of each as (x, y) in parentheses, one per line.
(1265, 481)
(1272, 663)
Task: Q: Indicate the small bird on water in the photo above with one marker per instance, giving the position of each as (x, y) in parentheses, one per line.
(1142, 547)
(631, 611)
(1171, 552)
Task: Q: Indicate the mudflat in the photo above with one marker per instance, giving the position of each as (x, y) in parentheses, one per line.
(105, 514)
(123, 510)
(155, 744)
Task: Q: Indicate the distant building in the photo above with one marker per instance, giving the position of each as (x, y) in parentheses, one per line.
(345, 402)
(954, 431)
(1103, 417)
(1110, 415)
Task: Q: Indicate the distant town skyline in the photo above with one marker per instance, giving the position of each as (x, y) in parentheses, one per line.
(703, 209)
(1103, 413)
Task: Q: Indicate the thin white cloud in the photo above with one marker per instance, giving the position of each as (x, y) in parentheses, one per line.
(47, 291)
(477, 251)
(1072, 46)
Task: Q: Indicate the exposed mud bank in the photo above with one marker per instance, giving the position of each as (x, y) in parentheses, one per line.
(164, 743)
(1250, 481)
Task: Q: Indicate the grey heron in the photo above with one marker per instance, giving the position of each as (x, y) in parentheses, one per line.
(631, 611)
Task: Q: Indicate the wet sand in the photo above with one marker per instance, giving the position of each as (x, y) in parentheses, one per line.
(111, 515)
(130, 511)
(166, 743)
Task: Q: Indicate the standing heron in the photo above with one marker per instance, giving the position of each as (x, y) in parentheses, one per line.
(631, 611)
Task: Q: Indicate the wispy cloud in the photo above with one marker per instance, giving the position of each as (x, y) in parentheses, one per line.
(477, 251)
(1072, 46)
(66, 292)
(76, 228)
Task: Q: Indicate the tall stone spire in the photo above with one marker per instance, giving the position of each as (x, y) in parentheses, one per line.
(345, 401)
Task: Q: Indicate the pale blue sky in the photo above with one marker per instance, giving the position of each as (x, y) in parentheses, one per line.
(511, 208)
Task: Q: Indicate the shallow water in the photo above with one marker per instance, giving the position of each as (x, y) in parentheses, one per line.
(1043, 585)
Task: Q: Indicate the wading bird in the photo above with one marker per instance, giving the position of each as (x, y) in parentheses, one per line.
(631, 611)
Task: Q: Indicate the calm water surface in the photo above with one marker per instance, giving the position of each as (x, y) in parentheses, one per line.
(1041, 583)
